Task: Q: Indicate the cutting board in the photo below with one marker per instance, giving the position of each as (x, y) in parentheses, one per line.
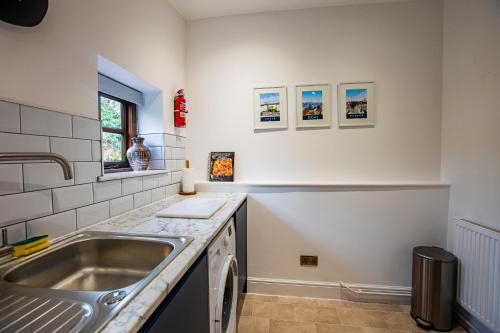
(194, 208)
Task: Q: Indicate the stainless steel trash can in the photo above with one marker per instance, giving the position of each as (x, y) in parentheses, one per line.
(434, 284)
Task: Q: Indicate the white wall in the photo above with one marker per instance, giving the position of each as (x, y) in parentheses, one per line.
(54, 65)
(397, 45)
(471, 111)
(362, 235)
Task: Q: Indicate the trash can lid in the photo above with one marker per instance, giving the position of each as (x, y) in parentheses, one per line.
(434, 253)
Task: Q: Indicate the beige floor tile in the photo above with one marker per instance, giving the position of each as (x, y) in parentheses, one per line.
(330, 328)
(274, 310)
(401, 321)
(406, 308)
(245, 308)
(305, 301)
(364, 318)
(245, 324)
(253, 325)
(382, 330)
(316, 315)
(382, 307)
(330, 303)
(279, 326)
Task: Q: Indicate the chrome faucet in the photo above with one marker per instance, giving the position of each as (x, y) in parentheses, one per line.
(5, 248)
(40, 156)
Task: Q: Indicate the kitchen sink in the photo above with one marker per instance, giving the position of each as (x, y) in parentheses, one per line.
(82, 282)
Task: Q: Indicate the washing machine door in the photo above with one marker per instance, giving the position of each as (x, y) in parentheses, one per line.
(227, 297)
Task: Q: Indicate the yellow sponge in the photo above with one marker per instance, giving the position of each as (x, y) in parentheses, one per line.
(30, 246)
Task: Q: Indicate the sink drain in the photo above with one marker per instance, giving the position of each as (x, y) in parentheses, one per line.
(114, 297)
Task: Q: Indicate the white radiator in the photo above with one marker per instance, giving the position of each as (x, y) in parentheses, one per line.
(478, 251)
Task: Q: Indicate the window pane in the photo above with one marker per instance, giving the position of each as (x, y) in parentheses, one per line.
(111, 113)
(112, 147)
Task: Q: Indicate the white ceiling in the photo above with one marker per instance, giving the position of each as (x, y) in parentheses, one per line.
(199, 9)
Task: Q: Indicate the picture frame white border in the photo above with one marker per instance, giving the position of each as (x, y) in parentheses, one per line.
(283, 123)
(341, 110)
(326, 122)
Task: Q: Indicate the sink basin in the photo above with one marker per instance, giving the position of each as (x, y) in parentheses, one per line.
(94, 264)
(80, 283)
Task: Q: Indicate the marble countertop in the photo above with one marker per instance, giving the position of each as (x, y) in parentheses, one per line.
(143, 221)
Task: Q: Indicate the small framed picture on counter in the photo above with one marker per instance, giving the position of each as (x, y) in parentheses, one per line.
(313, 106)
(270, 108)
(357, 104)
(221, 167)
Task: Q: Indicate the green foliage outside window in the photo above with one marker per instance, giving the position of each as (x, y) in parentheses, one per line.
(111, 117)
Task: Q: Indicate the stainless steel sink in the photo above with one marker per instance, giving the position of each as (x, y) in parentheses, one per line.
(81, 283)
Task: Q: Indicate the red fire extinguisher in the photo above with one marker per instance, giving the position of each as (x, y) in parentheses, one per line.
(180, 109)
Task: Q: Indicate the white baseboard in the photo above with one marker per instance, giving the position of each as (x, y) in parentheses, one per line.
(330, 290)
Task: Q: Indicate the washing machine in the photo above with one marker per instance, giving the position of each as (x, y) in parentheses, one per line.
(223, 281)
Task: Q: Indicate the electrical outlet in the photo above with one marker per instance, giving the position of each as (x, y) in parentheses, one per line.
(309, 261)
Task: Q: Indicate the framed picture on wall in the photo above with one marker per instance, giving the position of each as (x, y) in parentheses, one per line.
(221, 167)
(356, 104)
(270, 108)
(313, 106)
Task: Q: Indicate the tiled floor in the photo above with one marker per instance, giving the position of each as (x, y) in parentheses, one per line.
(275, 314)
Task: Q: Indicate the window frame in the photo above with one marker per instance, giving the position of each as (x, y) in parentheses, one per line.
(128, 130)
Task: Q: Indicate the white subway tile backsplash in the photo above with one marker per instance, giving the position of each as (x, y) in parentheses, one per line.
(149, 182)
(51, 205)
(121, 205)
(23, 143)
(39, 176)
(11, 178)
(10, 120)
(154, 139)
(170, 140)
(44, 122)
(87, 172)
(15, 233)
(164, 179)
(24, 206)
(179, 164)
(180, 141)
(158, 193)
(96, 150)
(70, 197)
(107, 190)
(173, 190)
(157, 165)
(54, 225)
(167, 153)
(156, 153)
(86, 128)
(89, 215)
(72, 149)
(178, 153)
(170, 165)
(131, 185)
(176, 176)
(142, 199)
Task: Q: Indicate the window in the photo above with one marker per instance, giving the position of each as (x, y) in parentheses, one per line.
(119, 125)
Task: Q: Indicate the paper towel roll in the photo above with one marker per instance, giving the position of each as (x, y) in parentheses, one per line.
(187, 180)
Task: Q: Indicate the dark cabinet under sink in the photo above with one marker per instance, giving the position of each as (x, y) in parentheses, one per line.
(186, 307)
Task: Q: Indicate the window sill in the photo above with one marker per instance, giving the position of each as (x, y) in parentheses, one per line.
(129, 174)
